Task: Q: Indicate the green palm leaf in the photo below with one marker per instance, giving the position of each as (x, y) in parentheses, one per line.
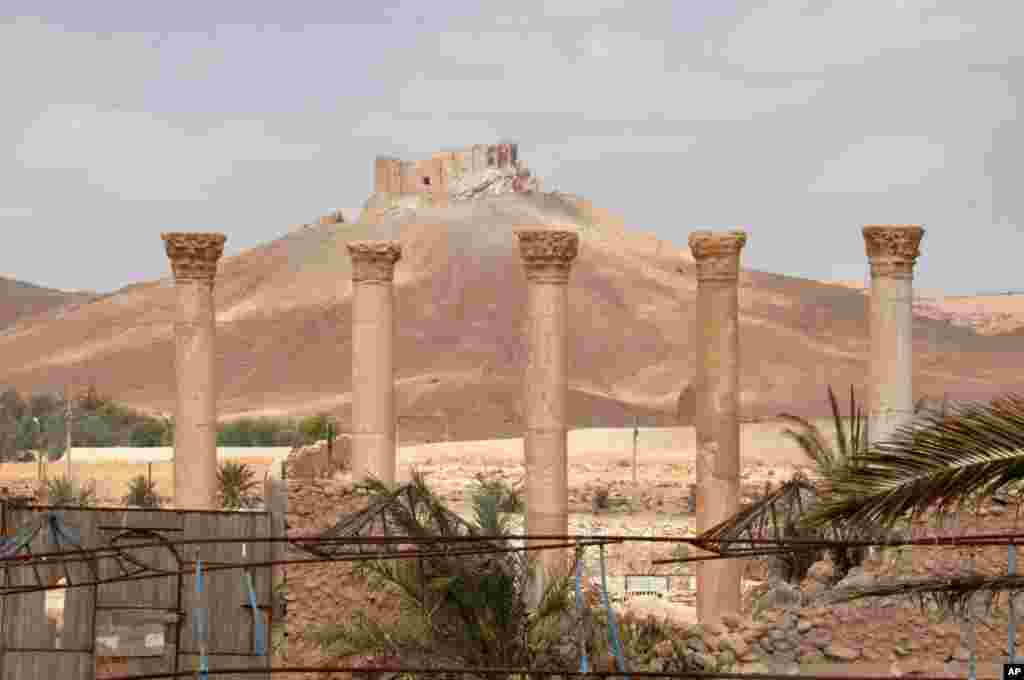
(973, 451)
(827, 460)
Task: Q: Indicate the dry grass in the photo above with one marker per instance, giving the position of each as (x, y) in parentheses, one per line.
(112, 477)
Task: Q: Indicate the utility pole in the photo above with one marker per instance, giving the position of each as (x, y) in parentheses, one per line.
(67, 427)
(636, 437)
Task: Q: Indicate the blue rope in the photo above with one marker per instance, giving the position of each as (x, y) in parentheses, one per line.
(60, 532)
(584, 661)
(200, 623)
(612, 623)
(256, 617)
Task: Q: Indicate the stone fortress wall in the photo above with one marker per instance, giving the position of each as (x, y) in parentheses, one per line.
(436, 174)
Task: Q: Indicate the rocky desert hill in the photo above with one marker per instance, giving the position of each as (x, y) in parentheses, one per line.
(19, 300)
(988, 314)
(283, 315)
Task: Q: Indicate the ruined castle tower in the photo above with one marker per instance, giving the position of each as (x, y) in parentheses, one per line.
(434, 175)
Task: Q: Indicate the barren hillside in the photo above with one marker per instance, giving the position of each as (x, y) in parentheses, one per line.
(21, 300)
(283, 312)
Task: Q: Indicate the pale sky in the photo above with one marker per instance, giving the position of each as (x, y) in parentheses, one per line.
(799, 121)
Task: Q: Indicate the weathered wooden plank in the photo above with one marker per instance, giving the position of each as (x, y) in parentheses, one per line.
(275, 494)
(143, 637)
(225, 596)
(58, 665)
(78, 602)
(220, 661)
(134, 632)
(154, 592)
(147, 665)
(26, 623)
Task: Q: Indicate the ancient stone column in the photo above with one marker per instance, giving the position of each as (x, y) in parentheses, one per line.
(194, 259)
(373, 365)
(892, 250)
(717, 256)
(547, 257)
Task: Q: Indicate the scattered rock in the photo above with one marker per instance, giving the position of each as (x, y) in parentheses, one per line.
(753, 666)
(822, 571)
(735, 644)
(841, 653)
(717, 629)
(710, 641)
(732, 621)
(782, 596)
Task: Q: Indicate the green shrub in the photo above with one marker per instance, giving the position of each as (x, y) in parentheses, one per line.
(508, 497)
(142, 492)
(62, 491)
(234, 481)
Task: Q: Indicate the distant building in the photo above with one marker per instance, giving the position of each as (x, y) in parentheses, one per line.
(435, 175)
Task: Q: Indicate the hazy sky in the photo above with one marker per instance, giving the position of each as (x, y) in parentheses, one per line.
(800, 121)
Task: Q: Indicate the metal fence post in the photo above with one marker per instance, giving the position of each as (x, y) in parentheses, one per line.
(1011, 570)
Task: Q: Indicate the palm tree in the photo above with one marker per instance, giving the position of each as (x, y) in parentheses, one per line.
(235, 481)
(830, 462)
(944, 458)
(463, 609)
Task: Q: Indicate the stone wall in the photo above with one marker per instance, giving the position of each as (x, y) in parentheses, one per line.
(317, 461)
(325, 592)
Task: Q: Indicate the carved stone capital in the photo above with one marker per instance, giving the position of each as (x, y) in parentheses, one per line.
(717, 254)
(194, 255)
(548, 254)
(374, 261)
(893, 248)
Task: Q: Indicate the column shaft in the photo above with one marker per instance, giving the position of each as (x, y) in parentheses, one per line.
(194, 259)
(892, 250)
(547, 257)
(545, 388)
(373, 374)
(717, 410)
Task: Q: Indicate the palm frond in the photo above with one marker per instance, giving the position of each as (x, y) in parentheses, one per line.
(811, 441)
(952, 595)
(837, 418)
(934, 460)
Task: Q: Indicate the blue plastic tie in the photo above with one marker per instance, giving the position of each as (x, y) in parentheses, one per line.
(257, 617)
(60, 532)
(613, 625)
(584, 661)
(200, 627)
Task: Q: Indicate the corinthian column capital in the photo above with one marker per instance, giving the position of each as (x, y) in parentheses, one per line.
(374, 261)
(194, 255)
(717, 254)
(893, 248)
(548, 254)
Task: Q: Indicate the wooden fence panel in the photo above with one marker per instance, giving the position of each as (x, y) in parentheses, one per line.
(152, 592)
(77, 632)
(225, 595)
(57, 665)
(26, 627)
(137, 619)
(26, 624)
